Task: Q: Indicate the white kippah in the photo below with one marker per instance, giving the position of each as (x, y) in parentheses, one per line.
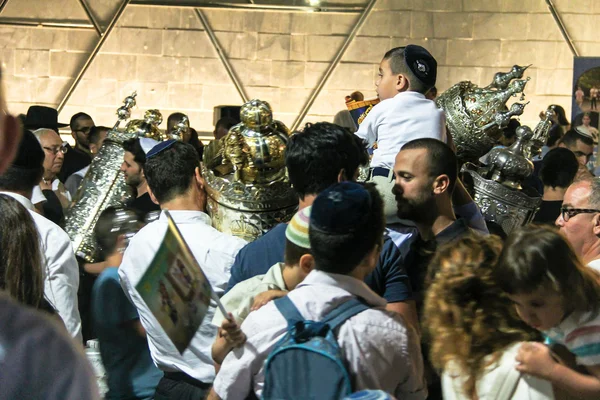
(147, 144)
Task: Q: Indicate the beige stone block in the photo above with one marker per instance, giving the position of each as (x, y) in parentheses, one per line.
(140, 41)
(293, 101)
(563, 57)
(268, 22)
(99, 92)
(271, 95)
(323, 48)
(15, 37)
(367, 49)
(7, 61)
(189, 19)
(553, 81)
(575, 6)
(437, 5)
(32, 62)
(394, 5)
(184, 96)
(226, 20)
(581, 27)
(273, 47)
(588, 49)
(329, 102)
(473, 52)
(387, 23)
(499, 26)
(135, 17)
(208, 71)
(449, 76)
(486, 5)
(162, 69)
(437, 47)
(115, 66)
(45, 10)
(150, 95)
(525, 6)
(80, 40)
(298, 49)
(220, 95)
(253, 73)
(51, 90)
(48, 39)
(68, 64)
(313, 73)
(287, 118)
(187, 44)
(322, 23)
(202, 122)
(103, 10)
(350, 76)
(523, 52)
(452, 25)
(542, 27)
(164, 17)
(287, 74)
(421, 24)
(19, 89)
(238, 44)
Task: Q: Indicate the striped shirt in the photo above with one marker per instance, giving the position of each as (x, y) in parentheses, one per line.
(580, 333)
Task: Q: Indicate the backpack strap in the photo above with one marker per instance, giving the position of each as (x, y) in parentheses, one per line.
(288, 310)
(344, 311)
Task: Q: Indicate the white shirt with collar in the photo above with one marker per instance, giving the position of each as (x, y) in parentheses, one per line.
(215, 252)
(394, 122)
(38, 196)
(382, 352)
(61, 272)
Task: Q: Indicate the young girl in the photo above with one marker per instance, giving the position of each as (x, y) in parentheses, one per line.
(474, 334)
(556, 294)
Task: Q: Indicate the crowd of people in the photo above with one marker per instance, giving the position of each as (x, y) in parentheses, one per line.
(396, 286)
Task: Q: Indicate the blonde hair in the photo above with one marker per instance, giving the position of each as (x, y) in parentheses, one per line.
(467, 315)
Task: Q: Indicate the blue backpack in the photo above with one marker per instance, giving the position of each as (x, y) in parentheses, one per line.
(307, 363)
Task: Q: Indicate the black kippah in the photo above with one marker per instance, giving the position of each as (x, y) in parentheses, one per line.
(30, 154)
(421, 63)
(342, 208)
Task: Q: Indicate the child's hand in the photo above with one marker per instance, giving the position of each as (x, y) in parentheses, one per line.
(535, 359)
(265, 297)
(231, 332)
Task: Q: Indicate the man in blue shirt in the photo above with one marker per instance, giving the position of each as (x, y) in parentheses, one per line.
(123, 345)
(317, 157)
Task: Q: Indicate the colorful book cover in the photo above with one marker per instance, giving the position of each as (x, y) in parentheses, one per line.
(175, 289)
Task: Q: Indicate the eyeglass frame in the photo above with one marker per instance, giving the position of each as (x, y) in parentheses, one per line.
(63, 148)
(568, 213)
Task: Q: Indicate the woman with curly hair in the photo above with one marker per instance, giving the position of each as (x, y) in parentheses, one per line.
(473, 332)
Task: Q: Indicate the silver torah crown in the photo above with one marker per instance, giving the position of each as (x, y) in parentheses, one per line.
(475, 116)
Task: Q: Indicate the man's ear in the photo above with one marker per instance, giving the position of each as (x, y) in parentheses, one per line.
(402, 83)
(307, 263)
(441, 184)
(342, 176)
(596, 225)
(199, 178)
(152, 196)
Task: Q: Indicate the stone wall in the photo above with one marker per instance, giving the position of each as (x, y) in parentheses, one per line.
(164, 54)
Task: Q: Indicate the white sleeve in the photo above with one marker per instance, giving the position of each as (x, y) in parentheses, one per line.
(62, 279)
(367, 130)
(37, 196)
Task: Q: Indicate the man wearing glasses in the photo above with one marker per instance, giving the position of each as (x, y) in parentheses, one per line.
(579, 220)
(50, 195)
(77, 157)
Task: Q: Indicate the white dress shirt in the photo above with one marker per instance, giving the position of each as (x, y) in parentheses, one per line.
(381, 351)
(215, 252)
(60, 269)
(38, 196)
(496, 376)
(394, 122)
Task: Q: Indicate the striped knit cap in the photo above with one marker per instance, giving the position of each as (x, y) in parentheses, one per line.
(297, 230)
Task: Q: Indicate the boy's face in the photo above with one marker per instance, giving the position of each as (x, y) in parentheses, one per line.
(387, 83)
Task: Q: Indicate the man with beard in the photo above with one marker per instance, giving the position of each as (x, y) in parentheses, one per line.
(133, 168)
(79, 156)
(426, 172)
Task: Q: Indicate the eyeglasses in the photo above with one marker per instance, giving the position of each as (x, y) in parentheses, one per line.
(54, 150)
(568, 213)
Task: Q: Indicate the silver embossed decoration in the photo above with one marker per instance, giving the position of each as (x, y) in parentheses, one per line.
(475, 116)
(248, 192)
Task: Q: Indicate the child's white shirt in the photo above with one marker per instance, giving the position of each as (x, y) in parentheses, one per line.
(394, 122)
